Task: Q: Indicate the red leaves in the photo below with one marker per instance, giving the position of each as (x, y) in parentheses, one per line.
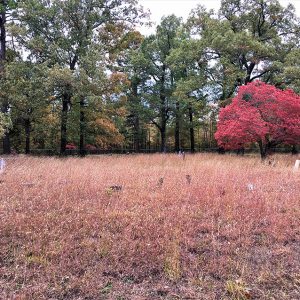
(260, 112)
(71, 146)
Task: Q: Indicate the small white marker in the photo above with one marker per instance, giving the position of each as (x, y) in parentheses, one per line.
(250, 187)
(2, 165)
(297, 164)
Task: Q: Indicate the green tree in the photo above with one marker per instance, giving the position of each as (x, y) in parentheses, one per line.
(131, 64)
(26, 91)
(248, 40)
(136, 68)
(64, 32)
(291, 71)
(159, 84)
(6, 8)
(194, 87)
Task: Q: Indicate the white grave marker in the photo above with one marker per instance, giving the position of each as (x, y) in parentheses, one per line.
(250, 187)
(2, 165)
(297, 164)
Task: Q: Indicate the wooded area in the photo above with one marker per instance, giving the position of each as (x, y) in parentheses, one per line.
(77, 74)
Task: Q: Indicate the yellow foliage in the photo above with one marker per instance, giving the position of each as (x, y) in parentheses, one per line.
(119, 78)
(109, 134)
(122, 111)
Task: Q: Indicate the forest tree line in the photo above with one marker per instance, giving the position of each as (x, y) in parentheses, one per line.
(78, 73)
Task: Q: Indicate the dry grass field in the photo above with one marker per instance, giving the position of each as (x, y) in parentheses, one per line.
(150, 227)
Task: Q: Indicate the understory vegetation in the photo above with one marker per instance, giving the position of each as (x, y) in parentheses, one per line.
(150, 227)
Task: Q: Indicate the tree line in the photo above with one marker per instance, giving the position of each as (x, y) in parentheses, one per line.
(78, 73)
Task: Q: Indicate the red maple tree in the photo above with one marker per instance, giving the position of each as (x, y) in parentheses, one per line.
(260, 113)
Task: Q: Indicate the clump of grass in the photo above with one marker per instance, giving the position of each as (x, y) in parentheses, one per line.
(160, 182)
(188, 179)
(172, 263)
(238, 290)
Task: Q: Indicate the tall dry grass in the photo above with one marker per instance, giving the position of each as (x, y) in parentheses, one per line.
(137, 227)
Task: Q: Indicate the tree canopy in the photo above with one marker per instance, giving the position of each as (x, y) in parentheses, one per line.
(260, 113)
(79, 73)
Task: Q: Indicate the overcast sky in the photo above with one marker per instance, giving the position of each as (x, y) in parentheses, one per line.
(182, 8)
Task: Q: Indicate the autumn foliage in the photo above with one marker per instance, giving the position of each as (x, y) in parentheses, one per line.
(262, 114)
(71, 146)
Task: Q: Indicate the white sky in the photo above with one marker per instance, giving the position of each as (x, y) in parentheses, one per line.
(182, 8)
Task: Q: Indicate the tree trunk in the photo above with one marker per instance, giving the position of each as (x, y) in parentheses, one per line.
(177, 129)
(27, 126)
(163, 124)
(64, 120)
(263, 150)
(82, 151)
(240, 151)
(294, 150)
(192, 133)
(2, 39)
(221, 150)
(136, 119)
(163, 112)
(6, 143)
(163, 147)
(177, 118)
(5, 104)
(149, 140)
(66, 101)
(137, 136)
(250, 69)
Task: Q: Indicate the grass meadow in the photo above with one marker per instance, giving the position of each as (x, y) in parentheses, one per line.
(150, 227)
